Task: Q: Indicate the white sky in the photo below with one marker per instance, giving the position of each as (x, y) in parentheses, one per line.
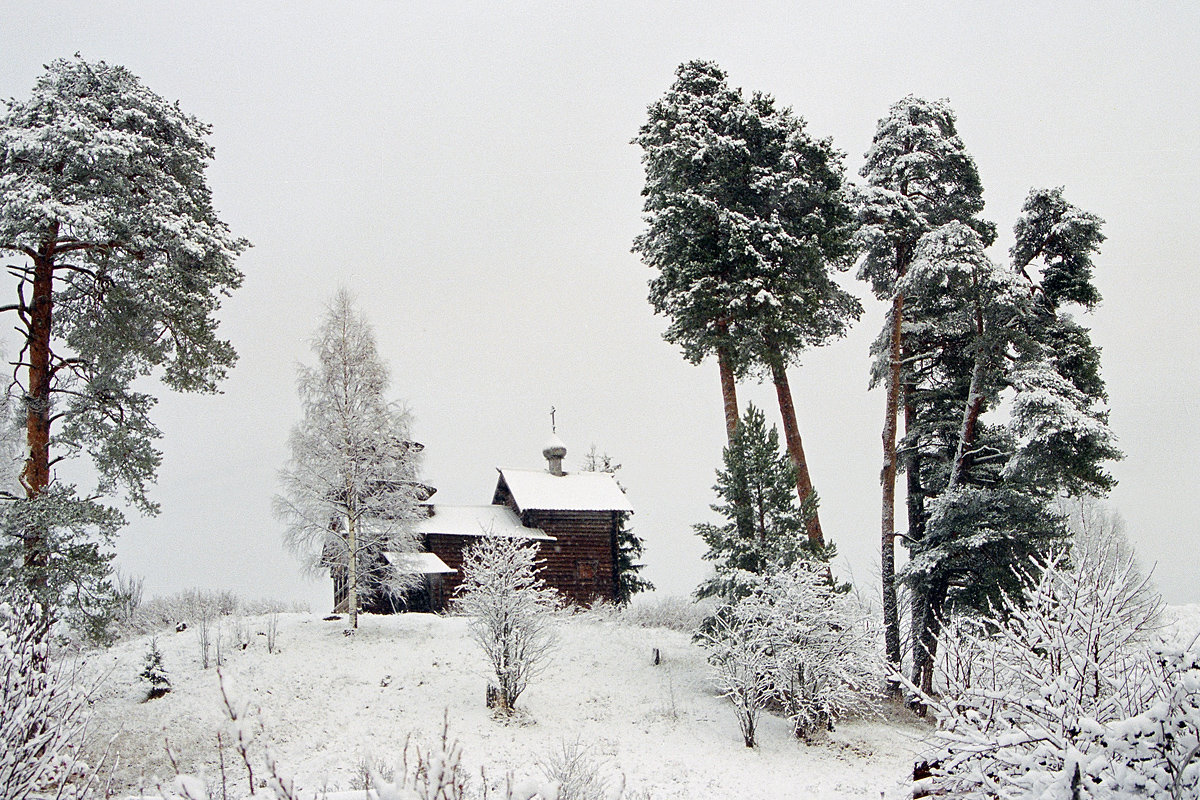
(466, 170)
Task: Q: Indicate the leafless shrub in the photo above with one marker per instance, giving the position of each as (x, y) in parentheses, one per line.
(579, 773)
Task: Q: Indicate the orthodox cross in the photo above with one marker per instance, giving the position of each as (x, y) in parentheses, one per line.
(553, 428)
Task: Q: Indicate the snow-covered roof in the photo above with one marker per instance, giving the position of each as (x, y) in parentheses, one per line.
(477, 521)
(575, 491)
(420, 563)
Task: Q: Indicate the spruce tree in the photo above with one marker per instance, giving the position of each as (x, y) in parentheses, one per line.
(626, 578)
(765, 526)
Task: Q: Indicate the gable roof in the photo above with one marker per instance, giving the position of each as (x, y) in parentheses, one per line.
(420, 563)
(499, 521)
(575, 491)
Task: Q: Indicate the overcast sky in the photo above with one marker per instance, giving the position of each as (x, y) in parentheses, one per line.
(466, 169)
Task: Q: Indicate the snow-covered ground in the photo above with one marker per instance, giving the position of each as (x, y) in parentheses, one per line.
(328, 702)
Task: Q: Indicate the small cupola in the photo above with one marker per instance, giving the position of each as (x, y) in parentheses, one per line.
(555, 451)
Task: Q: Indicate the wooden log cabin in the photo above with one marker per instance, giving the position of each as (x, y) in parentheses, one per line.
(574, 517)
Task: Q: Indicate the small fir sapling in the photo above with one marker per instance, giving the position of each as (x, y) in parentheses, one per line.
(154, 673)
(511, 613)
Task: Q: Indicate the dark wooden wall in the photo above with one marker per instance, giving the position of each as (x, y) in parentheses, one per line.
(579, 563)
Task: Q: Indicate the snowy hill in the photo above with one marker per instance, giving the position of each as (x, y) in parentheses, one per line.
(326, 703)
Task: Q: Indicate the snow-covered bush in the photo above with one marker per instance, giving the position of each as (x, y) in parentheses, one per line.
(42, 712)
(578, 773)
(678, 613)
(823, 659)
(1066, 695)
(740, 654)
(511, 612)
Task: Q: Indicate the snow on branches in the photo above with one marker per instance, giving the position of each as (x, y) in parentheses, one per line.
(510, 610)
(796, 645)
(1064, 693)
(349, 490)
(43, 714)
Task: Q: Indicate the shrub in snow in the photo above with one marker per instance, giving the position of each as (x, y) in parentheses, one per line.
(796, 644)
(740, 654)
(1065, 696)
(42, 712)
(823, 656)
(510, 609)
(577, 773)
(154, 673)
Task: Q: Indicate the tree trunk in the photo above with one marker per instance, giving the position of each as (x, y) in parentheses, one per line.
(791, 432)
(931, 629)
(887, 560)
(914, 505)
(728, 391)
(35, 476)
(352, 571)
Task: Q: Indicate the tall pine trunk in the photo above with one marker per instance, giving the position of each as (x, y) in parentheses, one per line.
(791, 432)
(35, 476)
(915, 506)
(887, 560)
(728, 391)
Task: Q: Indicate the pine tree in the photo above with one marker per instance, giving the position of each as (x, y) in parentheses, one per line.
(919, 177)
(349, 490)
(696, 165)
(626, 578)
(990, 479)
(123, 260)
(747, 215)
(765, 526)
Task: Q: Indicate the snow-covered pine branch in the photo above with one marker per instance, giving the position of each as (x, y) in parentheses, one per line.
(349, 491)
(510, 610)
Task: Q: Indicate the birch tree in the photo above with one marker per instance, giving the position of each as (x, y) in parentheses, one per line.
(121, 262)
(349, 491)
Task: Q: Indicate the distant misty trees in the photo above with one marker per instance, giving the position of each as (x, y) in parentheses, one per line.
(120, 261)
(348, 491)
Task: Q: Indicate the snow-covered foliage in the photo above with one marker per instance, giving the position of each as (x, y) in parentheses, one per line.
(510, 610)
(746, 215)
(1066, 694)
(764, 524)
(43, 713)
(349, 490)
(740, 655)
(121, 262)
(153, 672)
(824, 659)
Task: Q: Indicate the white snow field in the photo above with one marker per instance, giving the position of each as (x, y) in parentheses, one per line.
(327, 702)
